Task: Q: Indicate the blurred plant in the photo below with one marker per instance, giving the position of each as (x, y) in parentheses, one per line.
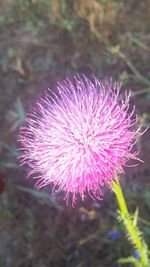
(116, 50)
(29, 223)
(147, 198)
(42, 197)
(11, 150)
(28, 13)
(5, 208)
(138, 42)
(17, 115)
(44, 63)
(6, 58)
(12, 154)
(2, 183)
(87, 214)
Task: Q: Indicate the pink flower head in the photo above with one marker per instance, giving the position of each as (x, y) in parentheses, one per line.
(79, 137)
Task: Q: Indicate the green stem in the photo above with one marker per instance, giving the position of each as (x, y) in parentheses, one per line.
(132, 230)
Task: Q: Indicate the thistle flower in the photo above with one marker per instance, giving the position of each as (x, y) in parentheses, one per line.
(79, 137)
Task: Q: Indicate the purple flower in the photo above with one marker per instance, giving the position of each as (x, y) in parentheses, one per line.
(79, 137)
(114, 234)
(136, 254)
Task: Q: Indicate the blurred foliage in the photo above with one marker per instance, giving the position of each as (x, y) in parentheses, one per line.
(16, 116)
(11, 154)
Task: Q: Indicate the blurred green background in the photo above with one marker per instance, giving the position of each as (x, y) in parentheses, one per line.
(42, 41)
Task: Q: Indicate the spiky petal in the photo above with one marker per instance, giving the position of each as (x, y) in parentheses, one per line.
(79, 137)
